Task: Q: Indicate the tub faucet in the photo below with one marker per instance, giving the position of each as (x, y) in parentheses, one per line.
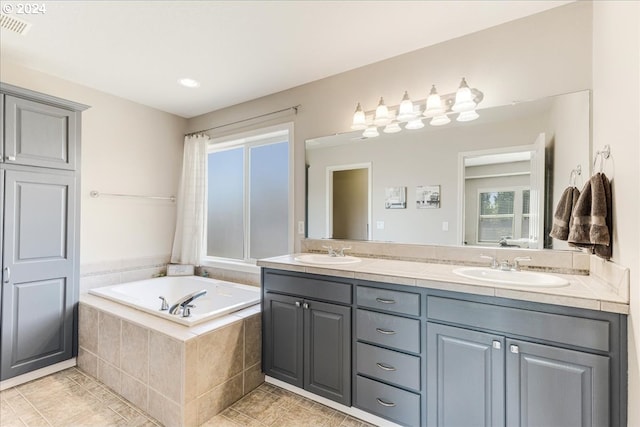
(186, 300)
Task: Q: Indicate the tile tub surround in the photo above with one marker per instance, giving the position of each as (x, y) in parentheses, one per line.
(179, 375)
(589, 292)
(114, 272)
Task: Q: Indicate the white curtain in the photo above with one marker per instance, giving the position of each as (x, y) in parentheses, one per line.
(188, 239)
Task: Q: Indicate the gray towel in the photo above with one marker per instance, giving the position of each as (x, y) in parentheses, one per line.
(592, 219)
(562, 219)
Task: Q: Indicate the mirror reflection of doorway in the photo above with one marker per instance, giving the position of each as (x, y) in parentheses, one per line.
(349, 194)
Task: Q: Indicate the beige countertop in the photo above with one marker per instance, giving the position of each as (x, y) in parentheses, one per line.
(582, 292)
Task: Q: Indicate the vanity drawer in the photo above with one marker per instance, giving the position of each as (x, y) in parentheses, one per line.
(578, 331)
(400, 406)
(383, 299)
(307, 287)
(387, 330)
(388, 365)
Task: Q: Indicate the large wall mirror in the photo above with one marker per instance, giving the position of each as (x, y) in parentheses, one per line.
(493, 181)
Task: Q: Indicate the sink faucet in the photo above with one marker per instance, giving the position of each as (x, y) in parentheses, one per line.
(335, 253)
(185, 301)
(494, 261)
(505, 265)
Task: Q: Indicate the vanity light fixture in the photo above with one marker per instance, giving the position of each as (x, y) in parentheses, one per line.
(436, 107)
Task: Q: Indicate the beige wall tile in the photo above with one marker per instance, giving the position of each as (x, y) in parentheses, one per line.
(164, 410)
(166, 365)
(88, 362)
(220, 356)
(135, 391)
(253, 377)
(88, 327)
(109, 375)
(191, 413)
(581, 261)
(191, 370)
(218, 399)
(252, 340)
(134, 355)
(109, 330)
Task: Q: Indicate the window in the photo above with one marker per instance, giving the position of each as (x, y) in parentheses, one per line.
(248, 198)
(504, 213)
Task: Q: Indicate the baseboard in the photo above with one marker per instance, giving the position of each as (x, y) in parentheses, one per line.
(38, 373)
(350, 410)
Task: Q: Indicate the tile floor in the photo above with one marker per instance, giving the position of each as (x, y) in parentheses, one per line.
(72, 399)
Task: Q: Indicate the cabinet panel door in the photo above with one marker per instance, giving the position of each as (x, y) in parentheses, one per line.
(327, 344)
(39, 134)
(465, 377)
(38, 286)
(550, 386)
(283, 345)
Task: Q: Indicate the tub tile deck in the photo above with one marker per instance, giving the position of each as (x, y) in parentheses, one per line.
(72, 399)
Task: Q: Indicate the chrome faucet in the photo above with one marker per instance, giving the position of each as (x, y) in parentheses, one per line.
(516, 261)
(185, 301)
(336, 253)
(494, 261)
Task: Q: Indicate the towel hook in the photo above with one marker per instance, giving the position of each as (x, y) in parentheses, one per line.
(603, 154)
(574, 174)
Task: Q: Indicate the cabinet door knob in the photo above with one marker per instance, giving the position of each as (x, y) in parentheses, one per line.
(385, 301)
(385, 367)
(10, 158)
(385, 403)
(514, 349)
(385, 331)
(497, 345)
(297, 303)
(305, 305)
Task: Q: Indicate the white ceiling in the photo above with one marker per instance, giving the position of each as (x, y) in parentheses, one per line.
(238, 50)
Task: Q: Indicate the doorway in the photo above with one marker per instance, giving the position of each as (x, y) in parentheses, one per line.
(349, 202)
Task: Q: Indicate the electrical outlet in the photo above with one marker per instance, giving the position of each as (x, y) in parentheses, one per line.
(300, 227)
(445, 226)
(380, 225)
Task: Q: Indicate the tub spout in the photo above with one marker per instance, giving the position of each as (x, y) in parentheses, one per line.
(185, 300)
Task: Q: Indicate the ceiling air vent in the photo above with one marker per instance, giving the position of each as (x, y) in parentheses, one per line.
(16, 25)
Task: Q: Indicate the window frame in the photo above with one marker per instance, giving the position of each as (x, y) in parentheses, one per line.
(247, 140)
(517, 214)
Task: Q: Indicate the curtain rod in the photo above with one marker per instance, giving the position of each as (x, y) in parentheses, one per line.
(294, 108)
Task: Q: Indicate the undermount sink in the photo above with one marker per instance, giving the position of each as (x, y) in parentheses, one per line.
(324, 259)
(521, 278)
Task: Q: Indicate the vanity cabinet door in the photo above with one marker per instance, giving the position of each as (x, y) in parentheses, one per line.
(465, 377)
(283, 338)
(550, 386)
(327, 343)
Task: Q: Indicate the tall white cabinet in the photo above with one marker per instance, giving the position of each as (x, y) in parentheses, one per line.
(40, 182)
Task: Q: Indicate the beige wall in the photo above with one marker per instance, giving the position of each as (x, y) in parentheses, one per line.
(126, 148)
(616, 121)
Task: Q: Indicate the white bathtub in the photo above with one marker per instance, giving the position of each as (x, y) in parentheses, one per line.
(222, 297)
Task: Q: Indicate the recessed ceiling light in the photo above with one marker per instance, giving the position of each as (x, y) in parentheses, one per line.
(187, 82)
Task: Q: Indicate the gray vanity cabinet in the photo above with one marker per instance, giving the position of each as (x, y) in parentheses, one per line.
(466, 372)
(307, 333)
(40, 239)
(554, 386)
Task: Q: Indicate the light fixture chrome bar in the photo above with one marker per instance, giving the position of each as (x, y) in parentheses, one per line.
(96, 194)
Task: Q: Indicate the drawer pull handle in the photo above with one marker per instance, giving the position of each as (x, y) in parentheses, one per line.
(385, 301)
(385, 331)
(386, 404)
(385, 367)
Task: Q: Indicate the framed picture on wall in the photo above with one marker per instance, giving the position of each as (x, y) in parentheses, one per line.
(395, 198)
(427, 196)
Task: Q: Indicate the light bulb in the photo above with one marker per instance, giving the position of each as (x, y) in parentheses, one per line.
(464, 98)
(440, 120)
(359, 119)
(405, 111)
(434, 104)
(382, 114)
(370, 132)
(392, 127)
(414, 124)
(467, 116)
